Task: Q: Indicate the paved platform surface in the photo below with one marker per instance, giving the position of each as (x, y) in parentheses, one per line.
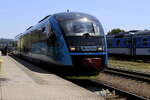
(23, 81)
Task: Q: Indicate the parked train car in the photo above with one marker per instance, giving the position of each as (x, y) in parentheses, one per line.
(7, 45)
(69, 43)
(130, 45)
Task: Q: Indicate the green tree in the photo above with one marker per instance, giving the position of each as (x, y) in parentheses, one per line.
(115, 31)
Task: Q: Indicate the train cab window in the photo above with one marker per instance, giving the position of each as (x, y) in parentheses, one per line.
(145, 41)
(117, 43)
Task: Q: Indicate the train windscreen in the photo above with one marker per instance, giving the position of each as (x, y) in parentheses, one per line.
(78, 24)
(81, 31)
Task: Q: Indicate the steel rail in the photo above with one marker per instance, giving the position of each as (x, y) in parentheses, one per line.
(126, 94)
(128, 73)
(98, 85)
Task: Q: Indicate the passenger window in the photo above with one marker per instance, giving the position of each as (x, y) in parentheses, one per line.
(118, 43)
(127, 42)
(52, 40)
(53, 37)
(145, 41)
(43, 29)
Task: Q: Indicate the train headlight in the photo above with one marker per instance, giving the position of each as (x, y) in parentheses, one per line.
(72, 48)
(99, 48)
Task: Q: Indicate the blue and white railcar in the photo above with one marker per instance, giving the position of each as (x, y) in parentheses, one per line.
(71, 41)
(135, 45)
(119, 44)
(142, 43)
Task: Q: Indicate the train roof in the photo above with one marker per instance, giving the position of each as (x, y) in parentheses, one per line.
(73, 15)
(120, 34)
(130, 33)
(145, 32)
(61, 17)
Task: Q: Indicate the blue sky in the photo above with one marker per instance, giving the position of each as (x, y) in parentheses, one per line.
(17, 15)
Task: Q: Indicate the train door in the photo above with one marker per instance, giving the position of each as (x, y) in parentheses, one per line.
(129, 45)
(133, 46)
(52, 43)
(126, 45)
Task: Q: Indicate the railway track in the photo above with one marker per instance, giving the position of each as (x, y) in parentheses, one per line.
(128, 73)
(107, 91)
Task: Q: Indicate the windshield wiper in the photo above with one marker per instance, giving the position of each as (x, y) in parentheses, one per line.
(93, 28)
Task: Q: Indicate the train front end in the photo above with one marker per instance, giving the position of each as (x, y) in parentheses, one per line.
(86, 42)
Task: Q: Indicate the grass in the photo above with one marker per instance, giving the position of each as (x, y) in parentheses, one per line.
(132, 65)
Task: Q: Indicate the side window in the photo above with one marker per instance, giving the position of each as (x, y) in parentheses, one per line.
(52, 40)
(127, 42)
(43, 32)
(48, 28)
(43, 29)
(138, 41)
(117, 43)
(35, 36)
(145, 41)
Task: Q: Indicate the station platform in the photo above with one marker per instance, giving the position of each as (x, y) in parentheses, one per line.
(20, 80)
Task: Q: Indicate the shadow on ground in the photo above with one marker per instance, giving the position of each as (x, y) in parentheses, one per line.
(30, 66)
